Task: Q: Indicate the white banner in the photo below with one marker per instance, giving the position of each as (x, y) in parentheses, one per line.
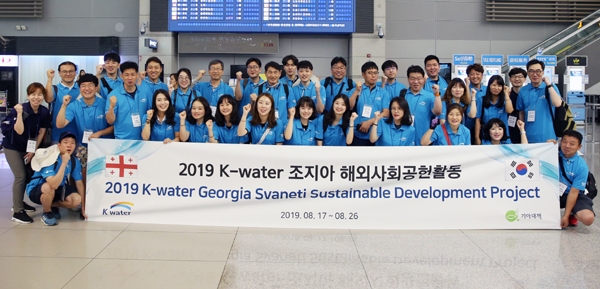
(467, 187)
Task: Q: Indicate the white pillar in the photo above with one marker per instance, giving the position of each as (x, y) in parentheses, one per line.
(166, 43)
(364, 44)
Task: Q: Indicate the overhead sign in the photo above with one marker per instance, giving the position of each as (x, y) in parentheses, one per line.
(517, 60)
(228, 43)
(492, 60)
(580, 60)
(463, 59)
(548, 60)
(9, 60)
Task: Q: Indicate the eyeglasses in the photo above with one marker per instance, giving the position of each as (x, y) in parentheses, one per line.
(68, 71)
(413, 79)
(391, 69)
(216, 69)
(183, 78)
(253, 67)
(531, 71)
(372, 72)
(338, 67)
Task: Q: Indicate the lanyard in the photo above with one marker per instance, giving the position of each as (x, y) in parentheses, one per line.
(413, 109)
(37, 128)
(86, 116)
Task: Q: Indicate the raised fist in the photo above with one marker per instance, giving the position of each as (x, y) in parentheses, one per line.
(253, 97)
(247, 108)
(238, 75)
(99, 68)
(50, 73)
(113, 101)
(66, 100)
(436, 89)
(353, 117)
(19, 108)
(182, 116)
(209, 124)
(150, 113)
(291, 112)
(359, 86)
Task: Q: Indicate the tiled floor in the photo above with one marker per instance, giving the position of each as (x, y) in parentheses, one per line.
(79, 254)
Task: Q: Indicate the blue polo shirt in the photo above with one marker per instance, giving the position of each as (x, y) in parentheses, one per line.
(377, 98)
(183, 100)
(153, 87)
(213, 94)
(462, 137)
(302, 137)
(162, 130)
(441, 82)
(480, 92)
(333, 135)
(113, 83)
(286, 80)
(199, 132)
(333, 89)
(281, 100)
(534, 99)
(87, 117)
(492, 112)
(274, 136)
(310, 91)
(390, 135)
(489, 142)
(249, 89)
(393, 89)
(31, 124)
(125, 108)
(467, 121)
(576, 170)
(421, 106)
(51, 170)
(57, 104)
(229, 134)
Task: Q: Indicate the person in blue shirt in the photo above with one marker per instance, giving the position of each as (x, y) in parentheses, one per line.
(280, 92)
(183, 95)
(432, 68)
(290, 66)
(388, 79)
(336, 126)
(87, 113)
(534, 108)
(111, 80)
(424, 106)
(452, 132)
(214, 88)
(475, 74)
(56, 93)
(262, 127)
(24, 129)
(197, 126)
(495, 104)
(172, 82)
(127, 104)
(301, 128)
(227, 121)
(337, 83)
(161, 123)
(244, 88)
(50, 185)
(458, 93)
(396, 130)
(494, 132)
(518, 78)
(366, 100)
(151, 77)
(310, 86)
(573, 173)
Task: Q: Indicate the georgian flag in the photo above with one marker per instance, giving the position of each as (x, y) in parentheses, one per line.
(522, 170)
(121, 166)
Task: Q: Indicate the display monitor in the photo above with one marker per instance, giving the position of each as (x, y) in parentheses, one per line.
(234, 68)
(446, 71)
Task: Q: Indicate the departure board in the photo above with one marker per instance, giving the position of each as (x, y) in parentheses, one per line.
(277, 16)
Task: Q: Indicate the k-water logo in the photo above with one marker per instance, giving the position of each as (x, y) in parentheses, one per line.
(118, 209)
(522, 170)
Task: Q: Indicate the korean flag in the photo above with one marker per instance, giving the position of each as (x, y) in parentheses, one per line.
(522, 170)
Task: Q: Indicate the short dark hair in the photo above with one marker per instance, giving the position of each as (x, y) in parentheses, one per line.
(128, 65)
(338, 59)
(67, 63)
(415, 69)
(273, 64)
(487, 98)
(305, 64)
(112, 56)
(306, 100)
(291, 57)
(535, 61)
(369, 65)
(575, 134)
(88, 77)
(389, 63)
(35, 86)
(517, 70)
(431, 57)
(254, 59)
(452, 107)
(488, 125)
(216, 61)
(154, 59)
(475, 66)
(187, 71)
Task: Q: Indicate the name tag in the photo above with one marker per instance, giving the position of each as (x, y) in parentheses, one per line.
(31, 145)
(530, 115)
(276, 114)
(366, 112)
(412, 118)
(86, 136)
(214, 110)
(512, 120)
(135, 119)
(562, 188)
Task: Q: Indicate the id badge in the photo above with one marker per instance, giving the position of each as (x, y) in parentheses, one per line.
(214, 110)
(276, 114)
(31, 145)
(86, 136)
(512, 120)
(135, 119)
(530, 115)
(562, 188)
(366, 112)
(412, 118)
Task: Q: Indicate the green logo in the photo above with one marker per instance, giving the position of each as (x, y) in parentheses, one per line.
(512, 216)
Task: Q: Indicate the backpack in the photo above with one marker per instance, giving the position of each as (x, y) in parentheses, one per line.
(106, 85)
(590, 185)
(174, 98)
(563, 120)
(329, 80)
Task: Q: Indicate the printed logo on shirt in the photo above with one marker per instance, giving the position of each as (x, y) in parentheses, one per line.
(422, 103)
(169, 127)
(378, 98)
(403, 139)
(100, 116)
(283, 97)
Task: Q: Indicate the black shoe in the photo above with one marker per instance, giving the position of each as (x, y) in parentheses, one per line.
(28, 208)
(56, 212)
(22, 217)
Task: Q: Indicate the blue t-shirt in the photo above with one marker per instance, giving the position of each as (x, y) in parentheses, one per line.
(534, 99)
(211, 94)
(389, 135)
(57, 104)
(392, 89)
(87, 117)
(125, 109)
(249, 89)
(153, 87)
(462, 137)
(576, 170)
(492, 112)
(112, 83)
(162, 130)
(303, 137)
(199, 132)
(441, 82)
(51, 170)
(281, 100)
(183, 100)
(377, 98)
(31, 125)
(489, 142)
(333, 135)
(333, 89)
(256, 132)
(421, 106)
(310, 91)
(229, 134)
